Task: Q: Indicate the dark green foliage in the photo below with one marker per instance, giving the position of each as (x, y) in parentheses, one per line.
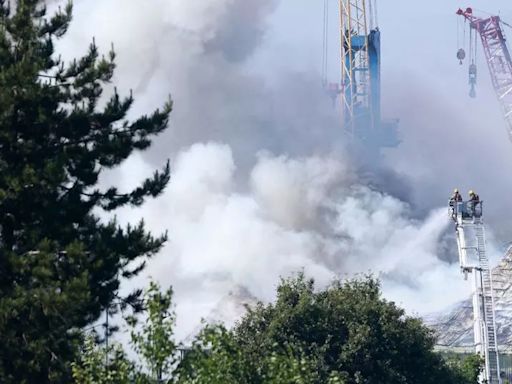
(466, 368)
(217, 358)
(345, 334)
(348, 330)
(59, 264)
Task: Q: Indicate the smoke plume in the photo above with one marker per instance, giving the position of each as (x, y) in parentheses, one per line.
(262, 184)
(306, 213)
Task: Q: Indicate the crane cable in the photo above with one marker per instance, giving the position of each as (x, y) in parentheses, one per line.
(374, 16)
(458, 34)
(325, 46)
(476, 47)
(370, 7)
(471, 44)
(506, 24)
(459, 45)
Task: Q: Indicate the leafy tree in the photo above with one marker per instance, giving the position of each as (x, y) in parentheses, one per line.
(216, 358)
(472, 366)
(289, 367)
(348, 330)
(345, 334)
(466, 369)
(153, 344)
(306, 337)
(59, 264)
(102, 365)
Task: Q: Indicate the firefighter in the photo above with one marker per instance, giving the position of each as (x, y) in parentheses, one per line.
(456, 197)
(474, 200)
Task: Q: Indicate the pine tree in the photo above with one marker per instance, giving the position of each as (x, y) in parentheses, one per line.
(60, 265)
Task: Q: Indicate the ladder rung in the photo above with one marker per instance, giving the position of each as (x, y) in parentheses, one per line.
(477, 243)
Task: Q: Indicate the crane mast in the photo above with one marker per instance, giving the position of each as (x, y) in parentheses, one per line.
(498, 58)
(361, 75)
(355, 71)
(474, 262)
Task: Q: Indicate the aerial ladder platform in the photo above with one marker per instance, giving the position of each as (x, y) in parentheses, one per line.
(474, 262)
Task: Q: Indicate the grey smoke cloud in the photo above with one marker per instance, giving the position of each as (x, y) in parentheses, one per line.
(307, 213)
(262, 184)
(240, 29)
(193, 50)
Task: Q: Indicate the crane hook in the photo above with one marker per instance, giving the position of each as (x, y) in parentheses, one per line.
(461, 55)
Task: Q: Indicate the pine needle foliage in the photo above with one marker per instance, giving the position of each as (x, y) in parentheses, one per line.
(60, 265)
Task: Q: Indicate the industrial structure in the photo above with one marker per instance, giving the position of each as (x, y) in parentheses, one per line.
(360, 87)
(474, 262)
(497, 55)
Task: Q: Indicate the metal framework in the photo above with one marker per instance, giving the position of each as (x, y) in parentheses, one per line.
(474, 261)
(361, 77)
(355, 62)
(498, 58)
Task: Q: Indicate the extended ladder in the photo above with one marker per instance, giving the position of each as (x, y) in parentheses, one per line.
(473, 261)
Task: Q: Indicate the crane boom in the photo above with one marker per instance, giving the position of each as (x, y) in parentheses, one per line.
(498, 59)
(474, 261)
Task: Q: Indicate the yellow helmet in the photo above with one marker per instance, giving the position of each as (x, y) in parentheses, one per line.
(455, 190)
(471, 193)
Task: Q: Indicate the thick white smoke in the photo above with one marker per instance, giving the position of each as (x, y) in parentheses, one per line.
(256, 191)
(295, 214)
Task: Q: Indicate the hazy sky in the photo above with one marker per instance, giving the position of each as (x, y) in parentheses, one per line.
(423, 85)
(448, 139)
(261, 187)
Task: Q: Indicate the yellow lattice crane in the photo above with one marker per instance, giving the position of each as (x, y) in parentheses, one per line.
(360, 87)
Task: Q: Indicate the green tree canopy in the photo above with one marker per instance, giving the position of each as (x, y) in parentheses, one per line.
(152, 343)
(345, 334)
(60, 266)
(348, 329)
(466, 368)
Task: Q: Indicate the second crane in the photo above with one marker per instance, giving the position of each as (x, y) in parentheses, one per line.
(497, 55)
